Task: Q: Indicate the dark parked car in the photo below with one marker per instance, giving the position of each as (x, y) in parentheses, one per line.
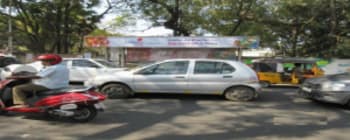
(331, 88)
(7, 60)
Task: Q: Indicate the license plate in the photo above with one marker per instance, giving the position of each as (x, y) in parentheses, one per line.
(306, 89)
(100, 106)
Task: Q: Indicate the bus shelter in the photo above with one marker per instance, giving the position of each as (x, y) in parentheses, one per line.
(146, 49)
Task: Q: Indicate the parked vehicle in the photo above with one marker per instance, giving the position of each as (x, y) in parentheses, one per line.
(80, 69)
(285, 71)
(81, 105)
(336, 66)
(330, 88)
(235, 80)
(6, 60)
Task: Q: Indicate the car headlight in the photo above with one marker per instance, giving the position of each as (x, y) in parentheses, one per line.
(6, 69)
(334, 86)
(339, 85)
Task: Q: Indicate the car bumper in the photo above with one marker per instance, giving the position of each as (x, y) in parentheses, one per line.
(257, 87)
(338, 97)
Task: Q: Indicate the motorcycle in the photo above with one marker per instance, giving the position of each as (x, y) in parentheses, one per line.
(80, 105)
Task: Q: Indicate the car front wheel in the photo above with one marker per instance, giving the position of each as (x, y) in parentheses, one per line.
(115, 91)
(239, 94)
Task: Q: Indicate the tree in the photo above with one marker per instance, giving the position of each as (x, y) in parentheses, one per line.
(179, 15)
(54, 25)
(309, 28)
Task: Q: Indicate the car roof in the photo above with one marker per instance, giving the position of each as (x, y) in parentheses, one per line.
(83, 58)
(198, 59)
(74, 58)
(287, 60)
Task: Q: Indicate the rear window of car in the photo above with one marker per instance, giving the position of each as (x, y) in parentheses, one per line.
(208, 67)
(4, 61)
(175, 67)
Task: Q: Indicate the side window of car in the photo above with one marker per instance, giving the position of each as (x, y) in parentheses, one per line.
(84, 63)
(148, 70)
(206, 67)
(177, 67)
(227, 68)
(203, 67)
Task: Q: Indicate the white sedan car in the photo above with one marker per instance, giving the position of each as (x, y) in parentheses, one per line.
(234, 80)
(80, 69)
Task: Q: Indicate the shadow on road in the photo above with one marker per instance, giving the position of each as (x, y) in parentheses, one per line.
(275, 114)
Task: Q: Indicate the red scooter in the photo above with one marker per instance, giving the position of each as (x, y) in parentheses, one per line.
(80, 105)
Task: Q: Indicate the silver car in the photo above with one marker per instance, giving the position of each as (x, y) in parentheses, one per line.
(80, 69)
(331, 88)
(234, 80)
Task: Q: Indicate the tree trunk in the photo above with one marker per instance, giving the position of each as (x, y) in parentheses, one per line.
(66, 43)
(58, 38)
(294, 41)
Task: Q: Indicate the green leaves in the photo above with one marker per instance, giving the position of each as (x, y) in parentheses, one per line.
(53, 25)
(295, 27)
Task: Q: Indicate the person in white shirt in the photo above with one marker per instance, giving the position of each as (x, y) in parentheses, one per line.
(54, 75)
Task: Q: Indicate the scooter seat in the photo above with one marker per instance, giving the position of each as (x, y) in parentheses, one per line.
(51, 92)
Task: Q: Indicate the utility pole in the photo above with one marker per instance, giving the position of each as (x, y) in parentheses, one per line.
(10, 45)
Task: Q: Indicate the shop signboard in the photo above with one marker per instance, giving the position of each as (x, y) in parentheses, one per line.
(172, 42)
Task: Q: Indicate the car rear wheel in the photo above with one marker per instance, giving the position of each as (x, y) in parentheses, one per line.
(115, 91)
(239, 94)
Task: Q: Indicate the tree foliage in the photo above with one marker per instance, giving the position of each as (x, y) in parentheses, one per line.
(295, 27)
(52, 25)
(311, 28)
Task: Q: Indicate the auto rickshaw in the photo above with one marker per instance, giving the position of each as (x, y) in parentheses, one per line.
(285, 71)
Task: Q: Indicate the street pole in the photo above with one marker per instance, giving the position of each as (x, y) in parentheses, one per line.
(10, 29)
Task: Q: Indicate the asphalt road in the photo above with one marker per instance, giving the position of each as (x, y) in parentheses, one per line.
(277, 114)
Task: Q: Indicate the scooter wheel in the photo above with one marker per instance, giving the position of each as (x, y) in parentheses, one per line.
(85, 114)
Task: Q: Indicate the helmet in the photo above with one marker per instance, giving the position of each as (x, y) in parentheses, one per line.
(53, 58)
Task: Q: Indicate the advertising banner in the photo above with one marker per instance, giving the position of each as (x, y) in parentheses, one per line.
(155, 54)
(172, 42)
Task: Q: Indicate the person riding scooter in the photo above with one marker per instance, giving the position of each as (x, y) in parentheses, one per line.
(53, 76)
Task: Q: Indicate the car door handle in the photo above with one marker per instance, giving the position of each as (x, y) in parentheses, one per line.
(227, 76)
(180, 77)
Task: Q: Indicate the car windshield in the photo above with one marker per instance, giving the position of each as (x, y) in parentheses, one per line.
(140, 65)
(106, 63)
